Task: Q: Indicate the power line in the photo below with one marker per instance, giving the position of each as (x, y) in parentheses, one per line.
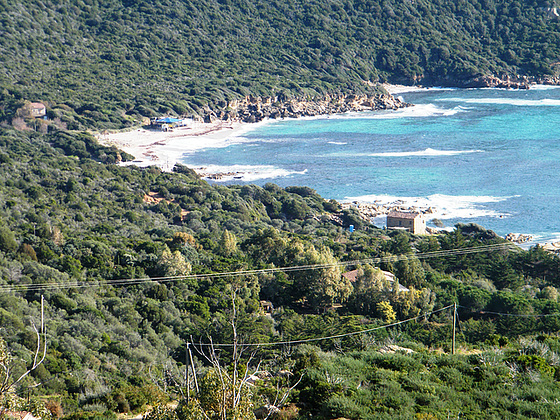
(309, 340)
(512, 315)
(132, 281)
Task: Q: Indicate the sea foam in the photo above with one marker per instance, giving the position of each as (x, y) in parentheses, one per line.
(505, 101)
(446, 206)
(243, 173)
(416, 111)
(544, 87)
(427, 152)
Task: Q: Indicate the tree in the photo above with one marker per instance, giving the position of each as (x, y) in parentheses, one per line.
(7, 240)
(223, 392)
(386, 311)
(173, 264)
(227, 244)
(322, 284)
(370, 288)
(8, 379)
(410, 272)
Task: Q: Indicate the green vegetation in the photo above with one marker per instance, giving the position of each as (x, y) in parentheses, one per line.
(109, 63)
(104, 243)
(136, 263)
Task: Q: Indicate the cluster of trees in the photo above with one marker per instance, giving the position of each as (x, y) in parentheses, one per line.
(110, 63)
(104, 245)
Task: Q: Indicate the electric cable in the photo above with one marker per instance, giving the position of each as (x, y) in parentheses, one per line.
(309, 340)
(166, 279)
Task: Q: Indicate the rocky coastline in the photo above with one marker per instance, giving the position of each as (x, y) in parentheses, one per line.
(251, 109)
(506, 82)
(372, 211)
(254, 109)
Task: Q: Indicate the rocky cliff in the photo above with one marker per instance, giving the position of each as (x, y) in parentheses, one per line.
(254, 109)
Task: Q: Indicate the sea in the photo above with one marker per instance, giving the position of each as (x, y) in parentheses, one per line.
(484, 156)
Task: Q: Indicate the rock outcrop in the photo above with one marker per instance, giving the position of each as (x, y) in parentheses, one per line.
(254, 109)
(518, 238)
(506, 82)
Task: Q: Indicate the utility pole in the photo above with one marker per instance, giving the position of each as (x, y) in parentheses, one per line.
(193, 369)
(187, 372)
(43, 316)
(454, 323)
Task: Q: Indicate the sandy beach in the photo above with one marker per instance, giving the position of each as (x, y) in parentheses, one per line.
(165, 148)
(396, 89)
(152, 147)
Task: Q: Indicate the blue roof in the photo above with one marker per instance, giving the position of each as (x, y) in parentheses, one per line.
(168, 120)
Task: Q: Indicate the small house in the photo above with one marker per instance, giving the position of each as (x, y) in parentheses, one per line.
(167, 123)
(267, 306)
(412, 221)
(37, 109)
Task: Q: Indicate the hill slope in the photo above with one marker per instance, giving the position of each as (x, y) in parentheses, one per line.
(127, 260)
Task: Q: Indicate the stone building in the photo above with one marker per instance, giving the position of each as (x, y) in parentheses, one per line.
(412, 221)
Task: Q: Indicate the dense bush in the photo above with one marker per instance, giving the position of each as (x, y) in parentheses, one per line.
(82, 233)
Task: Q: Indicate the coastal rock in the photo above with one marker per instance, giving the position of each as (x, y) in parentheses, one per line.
(518, 238)
(210, 117)
(255, 109)
(504, 82)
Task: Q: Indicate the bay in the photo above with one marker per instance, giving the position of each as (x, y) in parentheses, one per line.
(486, 156)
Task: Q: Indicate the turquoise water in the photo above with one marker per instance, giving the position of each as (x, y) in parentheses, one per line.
(486, 156)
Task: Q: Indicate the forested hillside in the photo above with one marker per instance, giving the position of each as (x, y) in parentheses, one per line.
(130, 262)
(141, 270)
(111, 62)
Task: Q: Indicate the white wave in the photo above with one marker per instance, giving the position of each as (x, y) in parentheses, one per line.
(415, 111)
(544, 87)
(341, 143)
(553, 237)
(427, 152)
(446, 206)
(396, 89)
(551, 240)
(505, 101)
(246, 173)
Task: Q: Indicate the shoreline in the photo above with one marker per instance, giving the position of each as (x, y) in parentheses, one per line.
(221, 127)
(376, 213)
(165, 149)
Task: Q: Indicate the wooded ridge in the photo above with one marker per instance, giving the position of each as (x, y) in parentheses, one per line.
(109, 63)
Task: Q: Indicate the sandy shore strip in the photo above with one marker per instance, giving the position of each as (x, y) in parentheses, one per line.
(396, 89)
(165, 148)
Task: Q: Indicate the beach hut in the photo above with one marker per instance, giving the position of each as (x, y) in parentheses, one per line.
(166, 124)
